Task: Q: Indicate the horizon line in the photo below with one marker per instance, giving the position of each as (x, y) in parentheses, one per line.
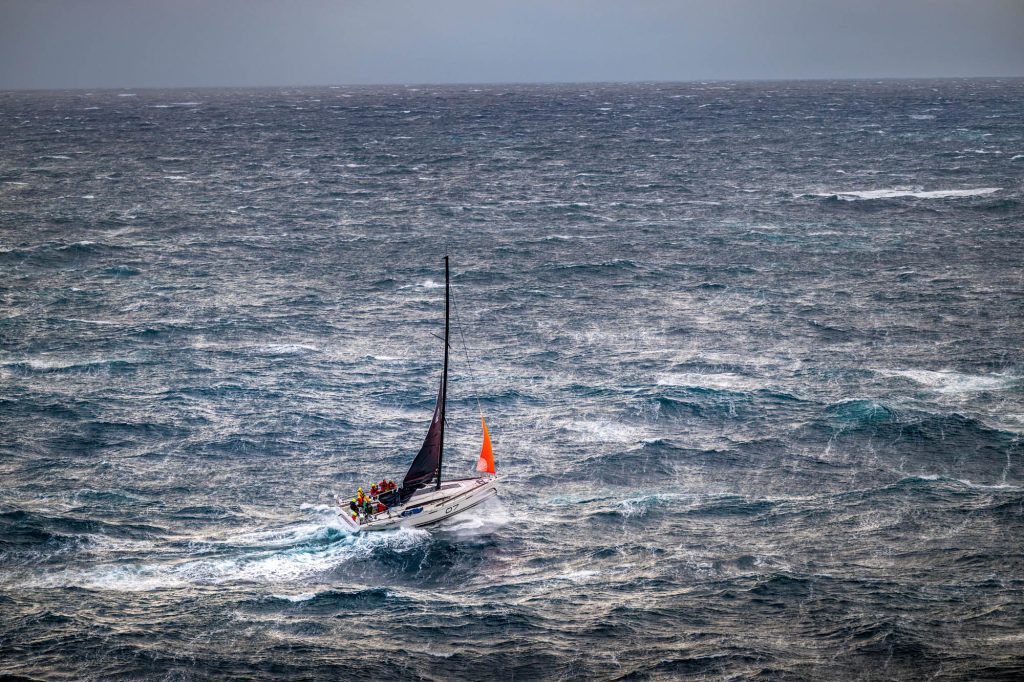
(457, 84)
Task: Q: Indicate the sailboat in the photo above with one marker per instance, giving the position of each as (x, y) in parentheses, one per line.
(424, 498)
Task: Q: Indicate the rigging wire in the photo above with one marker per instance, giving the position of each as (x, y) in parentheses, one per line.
(465, 351)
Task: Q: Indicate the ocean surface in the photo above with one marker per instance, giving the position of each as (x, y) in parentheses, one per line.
(751, 355)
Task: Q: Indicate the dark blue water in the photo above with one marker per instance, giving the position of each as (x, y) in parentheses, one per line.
(751, 355)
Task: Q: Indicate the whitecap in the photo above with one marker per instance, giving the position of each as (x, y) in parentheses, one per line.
(425, 284)
(56, 363)
(986, 486)
(578, 576)
(286, 348)
(295, 598)
(604, 432)
(631, 508)
(725, 380)
(855, 195)
(639, 506)
(83, 321)
(948, 381)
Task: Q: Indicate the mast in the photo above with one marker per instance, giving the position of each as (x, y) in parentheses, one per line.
(426, 466)
(444, 375)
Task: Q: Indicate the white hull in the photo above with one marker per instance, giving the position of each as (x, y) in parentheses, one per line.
(428, 505)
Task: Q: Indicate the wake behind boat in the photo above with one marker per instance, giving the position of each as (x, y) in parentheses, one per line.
(423, 498)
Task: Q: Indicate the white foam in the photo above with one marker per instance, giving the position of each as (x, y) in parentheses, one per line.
(482, 520)
(987, 486)
(631, 508)
(302, 596)
(386, 358)
(283, 537)
(639, 506)
(725, 380)
(52, 363)
(964, 482)
(277, 566)
(287, 554)
(605, 432)
(75, 319)
(286, 348)
(425, 284)
(855, 195)
(121, 545)
(577, 576)
(267, 348)
(954, 382)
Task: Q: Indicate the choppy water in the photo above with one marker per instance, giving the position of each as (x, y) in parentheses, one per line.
(751, 356)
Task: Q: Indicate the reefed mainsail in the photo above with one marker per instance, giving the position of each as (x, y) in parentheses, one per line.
(428, 461)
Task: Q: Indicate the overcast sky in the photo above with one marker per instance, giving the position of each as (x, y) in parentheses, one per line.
(162, 43)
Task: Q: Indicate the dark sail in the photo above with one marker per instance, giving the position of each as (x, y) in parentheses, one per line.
(428, 461)
(427, 465)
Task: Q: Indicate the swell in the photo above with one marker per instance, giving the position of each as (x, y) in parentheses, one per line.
(741, 431)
